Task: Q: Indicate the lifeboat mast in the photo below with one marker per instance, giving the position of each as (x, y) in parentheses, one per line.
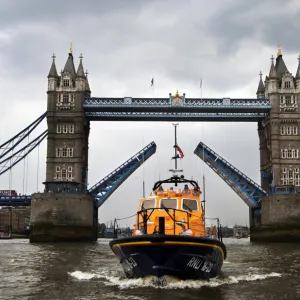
(176, 156)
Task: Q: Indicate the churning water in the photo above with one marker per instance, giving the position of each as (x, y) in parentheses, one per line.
(85, 271)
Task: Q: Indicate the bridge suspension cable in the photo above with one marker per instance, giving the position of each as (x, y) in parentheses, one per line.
(12, 143)
(21, 154)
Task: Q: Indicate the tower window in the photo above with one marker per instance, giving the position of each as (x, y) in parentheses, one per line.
(64, 173)
(66, 128)
(70, 152)
(58, 152)
(58, 128)
(282, 130)
(64, 152)
(288, 130)
(284, 179)
(287, 84)
(297, 180)
(288, 100)
(295, 130)
(290, 153)
(71, 128)
(66, 82)
(65, 98)
(281, 100)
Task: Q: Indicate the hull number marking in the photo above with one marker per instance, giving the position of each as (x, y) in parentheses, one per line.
(197, 263)
(129, 263)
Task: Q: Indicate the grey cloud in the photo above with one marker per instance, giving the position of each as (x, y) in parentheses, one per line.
(271, 22)
(124, 45)
(171, 41)
(14, 12)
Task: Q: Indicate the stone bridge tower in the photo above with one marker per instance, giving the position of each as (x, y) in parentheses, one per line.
(68, 130)
(279, 139)
(65, 212)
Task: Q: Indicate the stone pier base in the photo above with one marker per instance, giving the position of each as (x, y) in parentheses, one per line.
(63, 218)
(280, 220)
(279, 234)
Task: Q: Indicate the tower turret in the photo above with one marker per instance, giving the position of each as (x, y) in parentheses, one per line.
(280, 66)
(272, 83)
(53, 77)
(81, 79)
(261, 88)
(69, 72)
(297, 77)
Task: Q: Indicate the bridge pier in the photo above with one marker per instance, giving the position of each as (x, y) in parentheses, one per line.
(280, 219)
(59, 217)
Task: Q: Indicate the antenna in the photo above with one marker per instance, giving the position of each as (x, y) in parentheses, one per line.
(203, 160)
(143, 169)
(175, 145)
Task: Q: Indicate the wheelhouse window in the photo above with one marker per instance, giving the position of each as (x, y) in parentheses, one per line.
(189, 205)
(148, 204)
(168, 203)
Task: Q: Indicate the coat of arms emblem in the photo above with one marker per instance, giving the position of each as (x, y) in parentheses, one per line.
(177, 100)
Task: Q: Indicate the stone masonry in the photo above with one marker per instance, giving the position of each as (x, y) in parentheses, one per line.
(279, 142)
(65, 211)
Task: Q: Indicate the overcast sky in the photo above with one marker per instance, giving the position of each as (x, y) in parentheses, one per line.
(125, 44)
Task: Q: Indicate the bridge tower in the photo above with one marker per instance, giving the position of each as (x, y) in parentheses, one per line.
(68, 129)
(64, 211)
(279, 140)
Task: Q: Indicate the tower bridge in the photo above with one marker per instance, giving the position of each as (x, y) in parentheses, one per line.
(68, 209)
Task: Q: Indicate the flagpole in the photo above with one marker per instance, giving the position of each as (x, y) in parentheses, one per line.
(201, 88)
(152, 85)
(203, 163)
(143, 170)
(175, 157)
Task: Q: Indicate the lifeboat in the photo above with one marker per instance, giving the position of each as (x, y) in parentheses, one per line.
(169, 236)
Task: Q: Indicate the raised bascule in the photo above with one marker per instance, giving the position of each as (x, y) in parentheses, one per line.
(68, 209)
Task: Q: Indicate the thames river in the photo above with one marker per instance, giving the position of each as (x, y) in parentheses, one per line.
(84, 271)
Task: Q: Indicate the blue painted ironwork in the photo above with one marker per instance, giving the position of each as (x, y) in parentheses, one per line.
(175, 116)
(246, 188)
(15, 200)
(177, 104)
(18, 138)
(105, 187)
(9, 162)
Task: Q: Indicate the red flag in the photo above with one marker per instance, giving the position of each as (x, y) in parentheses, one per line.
(180, 152)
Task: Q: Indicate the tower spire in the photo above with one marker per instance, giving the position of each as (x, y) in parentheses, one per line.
(261, 88)
(279, 51)
(272, 73)
(298, 69)
(80, 70)
(69, 66)
(53, 71)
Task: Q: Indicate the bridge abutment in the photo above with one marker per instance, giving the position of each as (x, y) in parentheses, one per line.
(59, 217)
(280, 219)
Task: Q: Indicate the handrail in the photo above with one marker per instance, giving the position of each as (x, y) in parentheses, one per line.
(142, 225)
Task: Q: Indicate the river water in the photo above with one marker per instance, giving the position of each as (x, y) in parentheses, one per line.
(90, 271)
